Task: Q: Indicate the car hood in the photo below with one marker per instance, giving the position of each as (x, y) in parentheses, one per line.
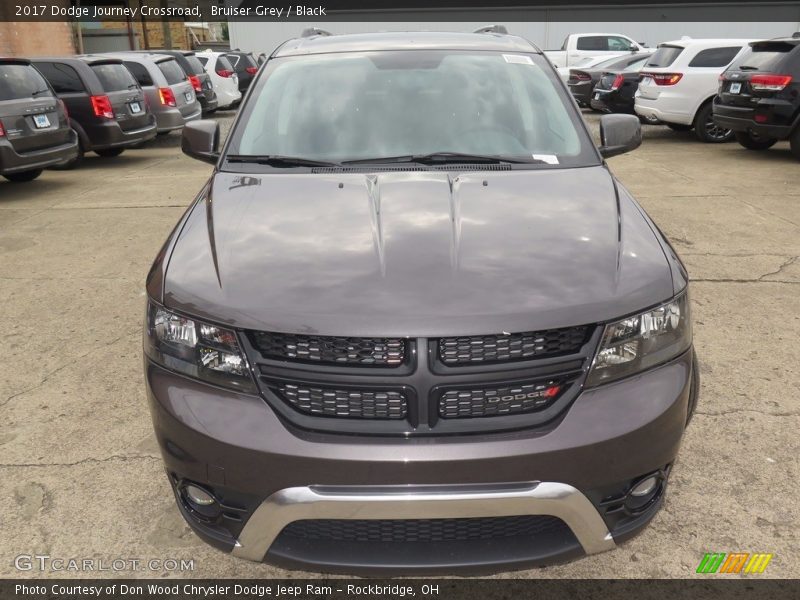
(423, 253)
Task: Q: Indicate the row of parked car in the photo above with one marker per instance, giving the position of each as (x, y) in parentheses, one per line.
(55, 109)
(720, 88)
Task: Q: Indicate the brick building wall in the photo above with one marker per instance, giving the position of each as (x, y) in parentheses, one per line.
(36, 39)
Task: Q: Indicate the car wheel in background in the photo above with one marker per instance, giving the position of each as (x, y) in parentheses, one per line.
(679, 127)
(794, 142)
(23, 176)
(706, 130)
(109, 152)
(753, 141)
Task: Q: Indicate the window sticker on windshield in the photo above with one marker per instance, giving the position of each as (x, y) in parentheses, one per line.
(519, 59)
(550, 159)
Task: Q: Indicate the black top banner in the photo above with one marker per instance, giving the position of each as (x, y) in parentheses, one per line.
(395, 10)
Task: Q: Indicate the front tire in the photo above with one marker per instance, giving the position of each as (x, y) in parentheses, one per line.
(706, 130)
(109, 152)
(752, 141)
(23, 176)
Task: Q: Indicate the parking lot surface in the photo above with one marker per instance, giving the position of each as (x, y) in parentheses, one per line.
(81, 475)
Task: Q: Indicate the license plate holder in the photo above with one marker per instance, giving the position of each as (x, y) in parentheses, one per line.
(735, 88)
(136, 108)
(41, 121)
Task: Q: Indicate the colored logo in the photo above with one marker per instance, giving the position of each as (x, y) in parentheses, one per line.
(735, 562)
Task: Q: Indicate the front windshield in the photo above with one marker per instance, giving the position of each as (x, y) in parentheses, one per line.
(361, 106)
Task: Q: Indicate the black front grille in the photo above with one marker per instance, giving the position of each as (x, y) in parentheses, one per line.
(344, 403)
(498, 401)
(516, 346)
(424, 530)
(386, 352)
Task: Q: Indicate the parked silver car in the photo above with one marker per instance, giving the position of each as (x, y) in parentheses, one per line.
(166, 86)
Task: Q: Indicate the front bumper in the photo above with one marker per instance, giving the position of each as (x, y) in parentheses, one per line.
(272, 474)
(13, 162)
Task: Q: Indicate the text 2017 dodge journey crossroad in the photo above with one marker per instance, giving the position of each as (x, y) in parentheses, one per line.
(412, 323)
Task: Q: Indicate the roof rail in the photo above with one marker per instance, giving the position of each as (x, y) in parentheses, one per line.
(312, 31)
(501, 29)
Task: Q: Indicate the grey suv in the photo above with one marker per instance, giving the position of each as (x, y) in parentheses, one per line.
(412, 323)
(35, 131)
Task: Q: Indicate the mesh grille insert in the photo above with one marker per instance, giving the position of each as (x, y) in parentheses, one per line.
(387, 352)
(424, 530)
(516, 346)
(352, 404)
(498, 401)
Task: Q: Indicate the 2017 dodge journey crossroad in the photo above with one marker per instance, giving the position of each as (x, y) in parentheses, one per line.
(412, 323)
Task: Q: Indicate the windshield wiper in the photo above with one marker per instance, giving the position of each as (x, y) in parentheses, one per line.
(37, 92)
(276, 160)
(436, 158)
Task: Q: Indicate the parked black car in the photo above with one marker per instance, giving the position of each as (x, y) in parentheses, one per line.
(35, 132)
(196, 73)
(581, 82)
(245, 66)
(412, 322)
(615, 92)
(759, 95)
(106, 104)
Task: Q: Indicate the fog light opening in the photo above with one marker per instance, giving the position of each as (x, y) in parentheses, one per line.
(645, 487)
(644, 492)
(200, 501)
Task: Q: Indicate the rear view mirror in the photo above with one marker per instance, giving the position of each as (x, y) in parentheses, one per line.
(201, 140)
(619, 134)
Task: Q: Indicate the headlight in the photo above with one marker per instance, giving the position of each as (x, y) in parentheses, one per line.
(642, 341)
(196, 349)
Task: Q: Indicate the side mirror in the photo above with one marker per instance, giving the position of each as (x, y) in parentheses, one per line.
(619, 134)
(200, 140)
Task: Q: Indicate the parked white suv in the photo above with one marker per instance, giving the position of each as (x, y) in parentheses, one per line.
(223, 77)
(679, 82)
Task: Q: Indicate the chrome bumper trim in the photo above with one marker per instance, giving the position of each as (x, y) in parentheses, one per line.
(535, 498)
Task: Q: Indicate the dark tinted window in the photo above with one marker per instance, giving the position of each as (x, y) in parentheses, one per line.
(224, 63)
(63, 78)
(766, 56)
(195, 65)
(593, 42)
(22, 81)
(664, 56)
(139, 71)
(203, 60)
(233, 58)
(715, 57)
(172, 71)
(113, 77)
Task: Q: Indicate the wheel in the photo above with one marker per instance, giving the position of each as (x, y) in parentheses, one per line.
(679, 127)
(794, 142)
(23, 176)
(753, 141)
(706, 130)
(109, 152)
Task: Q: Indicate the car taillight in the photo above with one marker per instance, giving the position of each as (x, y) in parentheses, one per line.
(224, 72)
(64, 108)
(195, 81)
(617, 82)
(664, 78)
(166, 96)
(770, 82)
(2, 131)
(251, 70)
(101, 105)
